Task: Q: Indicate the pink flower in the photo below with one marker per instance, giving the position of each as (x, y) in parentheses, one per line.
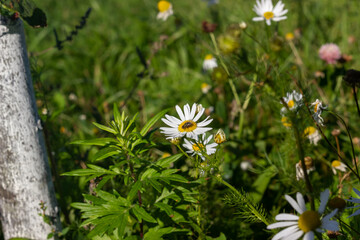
(330, 53)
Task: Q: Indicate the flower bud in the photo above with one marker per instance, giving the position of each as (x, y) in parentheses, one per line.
(175, 141)
(337, 202)
(220, 136)
(243, 25)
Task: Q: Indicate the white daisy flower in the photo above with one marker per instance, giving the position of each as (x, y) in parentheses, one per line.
(318, 108)
(308, 221)
(312, 134)
(293, 100)
(165, 10)
(209, 62)
(187, 124)
(200, 145)
(299, 170)
(267, 12)
(355, 200)
(337, 165)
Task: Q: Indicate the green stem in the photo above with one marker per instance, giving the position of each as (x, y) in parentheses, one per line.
(302, 159)
(356, 100)
(349, 135)
(249, 204)
(348, 226)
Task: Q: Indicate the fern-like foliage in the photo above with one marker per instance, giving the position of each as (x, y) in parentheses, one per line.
(245, 207)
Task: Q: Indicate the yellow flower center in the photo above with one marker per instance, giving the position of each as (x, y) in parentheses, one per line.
(187, 126)
(197, 147)
(163, 6)
(336, 163)
(208, 57)
(268, 15)
(316, 107)
(291, 103)
(286, 122)
(309, 220)
(309, 131)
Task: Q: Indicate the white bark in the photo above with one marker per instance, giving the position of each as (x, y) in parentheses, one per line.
(25, 177)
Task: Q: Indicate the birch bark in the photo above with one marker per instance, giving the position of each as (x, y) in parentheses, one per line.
(25, 177)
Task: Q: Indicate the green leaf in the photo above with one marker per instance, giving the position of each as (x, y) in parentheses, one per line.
(157, 233)
(261, 184)
(162, 163)
(96, 142)
(28, 11)
(152, 121)
(165, 208)
(134, 189)
(105, 153)
(221, 237)
(105, 128)
(141, 214)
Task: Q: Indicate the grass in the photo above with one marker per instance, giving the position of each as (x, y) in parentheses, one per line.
(101, 66)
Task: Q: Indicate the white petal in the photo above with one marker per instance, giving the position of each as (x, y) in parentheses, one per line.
(330, 225)
(199, 115)
(187, 112)
(354, 200)
(286, 217)
(173, 119)
(301, 201)
(294, 236)
(171, 124)
(324, 197)
(281, 224)
(193, 110)
(357, 191)
(294, 204)
(285, 232)
(276, 19)
(268, 22)
(309, 236)
(179, 111)
(357, 212)
(257, 19)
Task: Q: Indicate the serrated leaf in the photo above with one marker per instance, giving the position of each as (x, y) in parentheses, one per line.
(141, 214)
(157, 233)
(96, 142)
(152, 121)
(105, 128)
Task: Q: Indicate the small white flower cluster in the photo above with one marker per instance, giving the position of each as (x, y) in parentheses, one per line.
(189, 126)
(294, 100)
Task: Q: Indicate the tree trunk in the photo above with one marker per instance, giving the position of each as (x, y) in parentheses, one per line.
(25, 177)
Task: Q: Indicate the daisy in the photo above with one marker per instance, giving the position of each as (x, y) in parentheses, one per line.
(187, 124)
(293, 100)
(165, 10)
(312, 134)
(318, 108)
(308, 221)
(355, 200)
(337, 165)
(209, 62)
(201, 145)
(299, 170)
(267, 12)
